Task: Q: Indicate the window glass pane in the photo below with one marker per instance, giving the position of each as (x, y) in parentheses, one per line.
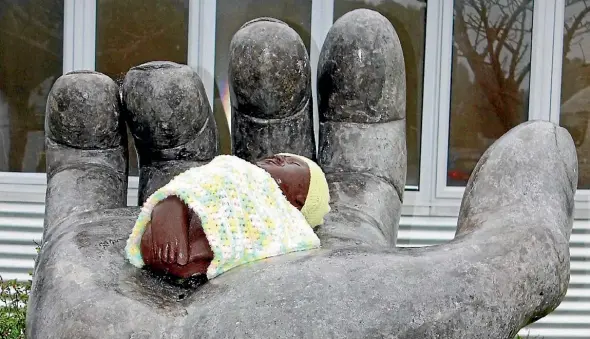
(575, 83)
(409, 20)
(131, 32)
(31, 59)
(490, 78)
(231, 15)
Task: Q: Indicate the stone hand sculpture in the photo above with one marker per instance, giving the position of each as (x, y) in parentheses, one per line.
(507, 266)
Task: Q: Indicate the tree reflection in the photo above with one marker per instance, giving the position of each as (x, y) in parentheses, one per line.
(133, 32)
(575, 83)
(31, 43)
(491, 73)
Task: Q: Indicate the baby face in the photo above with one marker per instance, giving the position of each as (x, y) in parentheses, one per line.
(291, 174)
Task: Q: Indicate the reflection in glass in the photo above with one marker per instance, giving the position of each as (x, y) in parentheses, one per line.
(409, 20)
(131, 32)
(31, 59)
(490, 78)
(231, 15)
(575, 83)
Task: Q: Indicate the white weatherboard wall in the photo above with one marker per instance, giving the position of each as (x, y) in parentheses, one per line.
(21, 227)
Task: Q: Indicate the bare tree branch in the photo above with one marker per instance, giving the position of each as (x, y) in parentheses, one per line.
(33, 43)
(134, 45)
(523, 73)
(570, 31)
(29, 19)
(507, 27)
(496, 57)
(519, 52)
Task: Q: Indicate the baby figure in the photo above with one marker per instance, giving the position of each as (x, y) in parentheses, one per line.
(230, 212)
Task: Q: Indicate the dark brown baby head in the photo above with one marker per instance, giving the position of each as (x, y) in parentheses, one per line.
(291, 174)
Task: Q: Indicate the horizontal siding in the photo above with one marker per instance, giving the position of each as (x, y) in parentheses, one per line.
(21, 227)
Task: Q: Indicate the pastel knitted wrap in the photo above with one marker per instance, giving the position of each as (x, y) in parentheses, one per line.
(244, 214)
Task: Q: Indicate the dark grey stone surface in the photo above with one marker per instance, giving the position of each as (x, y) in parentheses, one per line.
(507, 266)
(171, 122)
(362, 107)
(85, 146)
(270, 85)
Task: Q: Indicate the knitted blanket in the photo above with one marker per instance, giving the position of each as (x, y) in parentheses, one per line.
(244, 214)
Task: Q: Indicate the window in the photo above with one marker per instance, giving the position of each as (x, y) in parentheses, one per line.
(230, 16)
(491, 66)
(131, 32)
(575, 83)
(409, 20)
(31, 59)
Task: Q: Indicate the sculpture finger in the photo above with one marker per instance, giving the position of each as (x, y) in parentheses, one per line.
(534, 162)
(522, 192)
(269, 76)
(171, 121)
(86, 147)
(362, 102)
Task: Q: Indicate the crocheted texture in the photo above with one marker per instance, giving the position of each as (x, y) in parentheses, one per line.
(317, 202)
(244, 214)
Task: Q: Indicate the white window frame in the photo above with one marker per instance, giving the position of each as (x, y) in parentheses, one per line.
(582, 199)
(78, 53)
(201, 42)
(433, 197)
(545, 88)
(322, 16)
(419, 202)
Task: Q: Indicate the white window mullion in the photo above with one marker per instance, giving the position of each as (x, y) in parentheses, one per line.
(541, 60)
(441, 147)
(84, 35)
(201, 42)
(78, 35)
(88, 57)
(322, 17)
(419, 202)
(68, 39)
(556, 10)
(557, 62)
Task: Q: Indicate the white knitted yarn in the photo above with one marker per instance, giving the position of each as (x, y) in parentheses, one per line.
(244, 214)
